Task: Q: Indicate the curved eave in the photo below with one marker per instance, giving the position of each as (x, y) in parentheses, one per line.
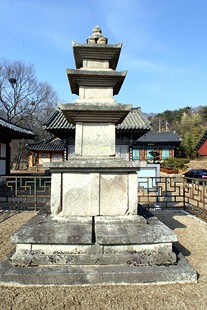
(58, 122)
(13, 131)
(134, 121)
(45, 146)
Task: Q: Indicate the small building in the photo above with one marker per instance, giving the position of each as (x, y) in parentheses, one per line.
(47, 150)
(201, 146)
(9, 132)
(62, 145)
(164, 143)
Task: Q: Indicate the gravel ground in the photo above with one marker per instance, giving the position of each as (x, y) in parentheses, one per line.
(192, 242)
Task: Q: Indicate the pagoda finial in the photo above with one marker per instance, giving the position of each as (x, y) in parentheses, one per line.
(96, 37)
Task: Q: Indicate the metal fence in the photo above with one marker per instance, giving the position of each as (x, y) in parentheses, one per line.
(24, 192)
(196, 193)
(161, 192)
(33, 192)
(172, 192)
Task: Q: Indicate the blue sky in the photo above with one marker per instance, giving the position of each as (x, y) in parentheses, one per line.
(164, 45)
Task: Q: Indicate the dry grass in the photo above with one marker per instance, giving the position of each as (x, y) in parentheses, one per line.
(192, 241)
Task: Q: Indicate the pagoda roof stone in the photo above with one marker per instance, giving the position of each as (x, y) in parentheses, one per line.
(95, 78)
(110, 52)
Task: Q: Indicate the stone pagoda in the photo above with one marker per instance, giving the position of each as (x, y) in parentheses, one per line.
(95, 233)
(95, 182)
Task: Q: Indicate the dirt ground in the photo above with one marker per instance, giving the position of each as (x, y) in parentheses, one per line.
(192, 239)
(198, 164)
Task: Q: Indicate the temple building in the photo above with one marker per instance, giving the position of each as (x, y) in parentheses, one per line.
(201, 146)
(134, 140)
(62, 145)
(165, 143)
(9, 132)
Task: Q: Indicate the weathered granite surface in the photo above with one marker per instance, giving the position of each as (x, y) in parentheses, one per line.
(95, 111)
(94, 164)
(182, 272)
(94, 186)
(102, 240)
(86, 139)
(94, 193)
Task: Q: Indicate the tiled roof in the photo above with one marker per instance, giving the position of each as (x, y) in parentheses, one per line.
(45, 145)
(15, 130)
(159, 137)
(57, 121)
(202, 140)
(134, 120)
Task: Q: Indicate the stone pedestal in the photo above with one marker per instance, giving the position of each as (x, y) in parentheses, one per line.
(99, 240)
(84, 186)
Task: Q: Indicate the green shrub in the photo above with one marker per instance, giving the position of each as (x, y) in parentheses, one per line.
(173, 163)
(184, 160)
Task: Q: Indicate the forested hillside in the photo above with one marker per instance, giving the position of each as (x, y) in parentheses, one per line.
(189, 123)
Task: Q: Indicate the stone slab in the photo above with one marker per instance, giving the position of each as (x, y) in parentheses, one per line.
(132, 231)
(97, 275)
(91, 164)
(89, 93)
(80, 194)
(49, 230)
(101, 229)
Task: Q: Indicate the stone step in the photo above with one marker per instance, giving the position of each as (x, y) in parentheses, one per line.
(36, 258)
(182, 272)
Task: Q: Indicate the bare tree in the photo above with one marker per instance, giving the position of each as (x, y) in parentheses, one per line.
(22, 96)
(24, 101)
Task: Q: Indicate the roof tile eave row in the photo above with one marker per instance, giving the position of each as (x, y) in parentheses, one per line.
(7, 125)
(134, 120)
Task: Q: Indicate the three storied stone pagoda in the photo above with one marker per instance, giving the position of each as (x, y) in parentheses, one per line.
(95, 234)
(95, 182)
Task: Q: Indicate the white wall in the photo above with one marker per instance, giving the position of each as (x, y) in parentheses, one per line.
(122, 151)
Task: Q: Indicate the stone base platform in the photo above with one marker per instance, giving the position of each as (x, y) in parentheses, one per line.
(95, 250)
(182, 272)
(98, 240)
